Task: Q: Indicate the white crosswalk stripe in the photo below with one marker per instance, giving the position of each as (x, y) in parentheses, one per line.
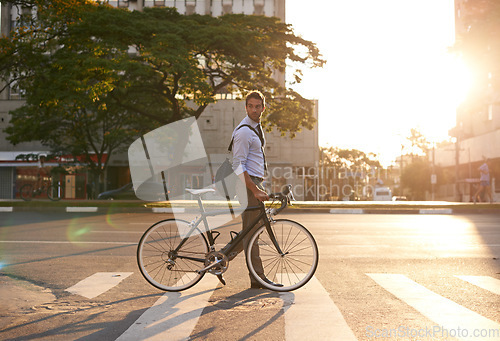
(485, 282)
(310, 314)
(174, 315)
(454, 319)
(98, 283)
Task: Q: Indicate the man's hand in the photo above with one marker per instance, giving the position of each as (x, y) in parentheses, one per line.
(257, 192)
(261, 195)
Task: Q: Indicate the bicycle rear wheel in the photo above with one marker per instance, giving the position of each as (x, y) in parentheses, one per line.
(163, 266)
(294, 267)
(26, 192)
(54, 192)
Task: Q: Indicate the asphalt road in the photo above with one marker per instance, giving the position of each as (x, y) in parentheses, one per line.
(405, 277)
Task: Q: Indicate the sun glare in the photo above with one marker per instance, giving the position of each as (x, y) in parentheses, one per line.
(387, 71)
(459, 80)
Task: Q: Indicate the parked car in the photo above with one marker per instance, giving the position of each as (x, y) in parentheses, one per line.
(382, 194)
(399, 198)
(149, 191)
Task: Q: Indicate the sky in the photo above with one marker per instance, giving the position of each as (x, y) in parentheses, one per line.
(388, 70)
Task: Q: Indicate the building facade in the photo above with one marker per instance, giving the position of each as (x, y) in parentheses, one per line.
(291, 161)
(477, 130)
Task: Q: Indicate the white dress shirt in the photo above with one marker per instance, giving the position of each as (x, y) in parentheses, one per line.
(247, 150)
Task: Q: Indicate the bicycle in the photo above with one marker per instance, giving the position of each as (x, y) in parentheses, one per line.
(53, 191)
(287, 249)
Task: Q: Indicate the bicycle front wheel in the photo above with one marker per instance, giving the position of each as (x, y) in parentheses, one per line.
(26, 192)
(290, 269)
(168, 261)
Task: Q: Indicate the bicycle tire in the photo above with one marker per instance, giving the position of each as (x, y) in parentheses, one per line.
(54, 192)
(295, 267)
(26, 192)
(156, 247)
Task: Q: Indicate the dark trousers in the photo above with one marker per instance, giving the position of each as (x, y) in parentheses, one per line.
(247, 218)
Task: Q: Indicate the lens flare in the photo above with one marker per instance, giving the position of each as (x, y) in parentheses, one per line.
(76, 231)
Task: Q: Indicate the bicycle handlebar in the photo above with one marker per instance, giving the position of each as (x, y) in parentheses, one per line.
(285, 197)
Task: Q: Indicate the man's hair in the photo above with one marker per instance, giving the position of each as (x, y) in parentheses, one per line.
(257, 95)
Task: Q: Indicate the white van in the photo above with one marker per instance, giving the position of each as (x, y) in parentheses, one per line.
(382, 194)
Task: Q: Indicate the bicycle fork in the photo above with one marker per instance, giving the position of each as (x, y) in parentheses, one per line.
(270, 231)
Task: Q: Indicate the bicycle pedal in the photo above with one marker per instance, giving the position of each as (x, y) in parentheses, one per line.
(221, 279)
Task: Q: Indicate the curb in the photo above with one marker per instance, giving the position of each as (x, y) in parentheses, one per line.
(326, 207)
(393, 211)
(336, 210)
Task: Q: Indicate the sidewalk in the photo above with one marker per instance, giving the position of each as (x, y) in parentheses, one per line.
(334, 207)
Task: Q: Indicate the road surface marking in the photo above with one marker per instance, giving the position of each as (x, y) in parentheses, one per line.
(436, 211)
(310, 314)
(62, 242)
(361, 245)
(484, 282)
(447, 314)
(347, 211)
(81, 209)
(174, 315)
(168, 210)
(132, 232)
(6, 209)
(98, 283)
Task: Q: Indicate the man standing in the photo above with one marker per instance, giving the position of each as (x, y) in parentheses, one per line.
(249, 164)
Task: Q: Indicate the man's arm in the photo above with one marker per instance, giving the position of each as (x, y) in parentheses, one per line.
(483, 169)
(241, 148)
(257, 192)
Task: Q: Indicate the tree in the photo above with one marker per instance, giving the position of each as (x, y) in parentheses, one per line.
(419, 144)
(349, 167)
(349, 158)
(95, 75)
(176, 58)
(417, 178)
(63, 88)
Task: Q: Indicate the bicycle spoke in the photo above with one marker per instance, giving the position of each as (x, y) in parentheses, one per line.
(292, 268)
(161, 258)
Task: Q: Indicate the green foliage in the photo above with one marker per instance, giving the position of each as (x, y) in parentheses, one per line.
(95, 76)
(349, 158)
(67, 79)
(417, 178)
(419, 144)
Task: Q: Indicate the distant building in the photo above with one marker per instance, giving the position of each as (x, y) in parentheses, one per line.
(291, 161)
(477, 130)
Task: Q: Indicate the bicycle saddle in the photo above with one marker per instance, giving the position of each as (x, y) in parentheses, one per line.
(200, 191)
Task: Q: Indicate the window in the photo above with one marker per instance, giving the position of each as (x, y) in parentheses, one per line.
(15, 92)
(123, 3)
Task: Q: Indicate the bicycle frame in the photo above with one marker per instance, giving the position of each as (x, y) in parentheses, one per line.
(229, 247)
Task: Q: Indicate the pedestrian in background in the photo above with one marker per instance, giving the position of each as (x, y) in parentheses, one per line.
(484, 183)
